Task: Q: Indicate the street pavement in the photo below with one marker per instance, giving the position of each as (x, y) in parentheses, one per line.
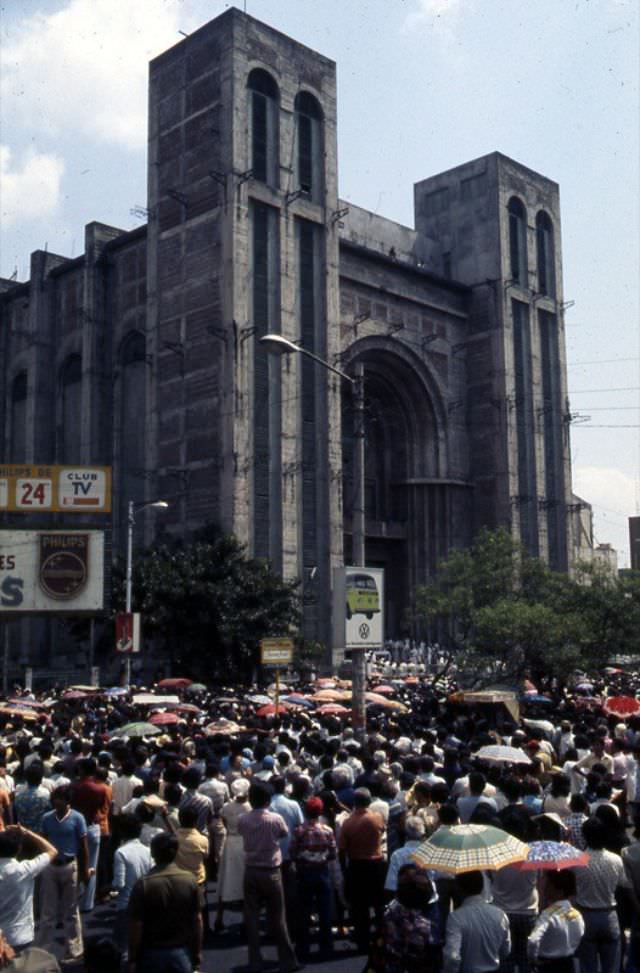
(226, 952)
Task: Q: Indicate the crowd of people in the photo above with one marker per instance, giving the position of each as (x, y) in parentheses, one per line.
(215, 803)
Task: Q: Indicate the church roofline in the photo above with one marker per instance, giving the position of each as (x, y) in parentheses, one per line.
(405, 266)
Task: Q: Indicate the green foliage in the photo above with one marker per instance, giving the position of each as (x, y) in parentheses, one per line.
(508, 614)
(210, 604)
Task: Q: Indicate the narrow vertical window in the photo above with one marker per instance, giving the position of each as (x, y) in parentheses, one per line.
(263, 133)
(18, 440)
(309, 147)
(525, 431)
(71, 399)
(133, 410)
(546, 257)
(518, 242)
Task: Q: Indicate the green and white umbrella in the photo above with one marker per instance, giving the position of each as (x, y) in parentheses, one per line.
(469, 848)
(136, 730)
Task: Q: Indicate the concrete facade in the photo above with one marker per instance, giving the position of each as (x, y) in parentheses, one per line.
(144, 353)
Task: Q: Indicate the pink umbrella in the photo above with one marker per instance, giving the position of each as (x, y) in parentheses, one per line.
(179, 682)
(332, 709)
(164, 719)
(270, 710)
(384, 690)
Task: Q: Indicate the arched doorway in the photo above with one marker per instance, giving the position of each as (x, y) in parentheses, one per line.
(405, 466)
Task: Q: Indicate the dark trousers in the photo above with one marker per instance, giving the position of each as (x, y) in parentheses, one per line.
(365, 891)
(314, 895)
(263, 887)
(560, 964)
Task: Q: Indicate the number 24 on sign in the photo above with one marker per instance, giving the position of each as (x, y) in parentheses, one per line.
(33, 493)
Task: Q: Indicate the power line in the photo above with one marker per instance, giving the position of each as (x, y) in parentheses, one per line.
(602, 361)
(588, 425)
(627, 388)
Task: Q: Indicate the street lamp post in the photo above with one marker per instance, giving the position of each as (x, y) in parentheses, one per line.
(134, 507)
(278, 342)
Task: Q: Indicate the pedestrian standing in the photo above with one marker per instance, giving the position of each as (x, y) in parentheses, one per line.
(92, 798)
(558, 929)
(131, 861)
(360, 847)
(478, 939)
(261, 831)
(66, 830)
(17, 881)
(312, 850)
(165, 921)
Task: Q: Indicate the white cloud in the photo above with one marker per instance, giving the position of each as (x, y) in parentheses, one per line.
(435, 13)
(83, 69)
(31, 190)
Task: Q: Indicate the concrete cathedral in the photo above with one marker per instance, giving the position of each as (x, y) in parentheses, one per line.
(144, 352)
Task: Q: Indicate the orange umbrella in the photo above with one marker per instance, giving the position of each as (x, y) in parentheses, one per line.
(327, 696)
(164, 719)
(179, 682)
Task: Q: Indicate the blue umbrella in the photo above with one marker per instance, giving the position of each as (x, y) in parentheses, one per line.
(116, 691)
(297, 700)
(535, 698)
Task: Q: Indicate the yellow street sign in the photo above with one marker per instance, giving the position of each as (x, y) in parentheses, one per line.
(276, 652)
(55, 489)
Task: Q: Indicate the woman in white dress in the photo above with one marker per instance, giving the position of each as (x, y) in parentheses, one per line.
(231, 870)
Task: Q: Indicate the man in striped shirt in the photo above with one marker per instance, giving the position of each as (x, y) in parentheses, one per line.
(261, 832)
(313, 848)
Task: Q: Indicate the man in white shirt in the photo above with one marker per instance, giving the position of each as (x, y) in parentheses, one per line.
(558, 929)
(131, 861)
(478, 937)
(17, 879)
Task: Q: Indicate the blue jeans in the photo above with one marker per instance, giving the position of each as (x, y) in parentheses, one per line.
(88, 897)
(601, 940)
(316, 895)
(175, 960)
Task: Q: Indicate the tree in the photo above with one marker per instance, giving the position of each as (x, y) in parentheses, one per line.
(209, 604)
(507, 613)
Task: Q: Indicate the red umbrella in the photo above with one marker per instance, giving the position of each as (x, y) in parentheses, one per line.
(332, 709)
(384, 690)
(174, 683)
(164, 719)
(622, 706)
(270, 710)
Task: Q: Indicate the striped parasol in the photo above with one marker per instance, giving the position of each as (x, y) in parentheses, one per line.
(468, 848)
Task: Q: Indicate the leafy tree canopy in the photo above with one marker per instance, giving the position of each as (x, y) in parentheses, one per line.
(209, 604)
(506, 613)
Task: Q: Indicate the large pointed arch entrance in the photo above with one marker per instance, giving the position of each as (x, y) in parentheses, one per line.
(407, 487)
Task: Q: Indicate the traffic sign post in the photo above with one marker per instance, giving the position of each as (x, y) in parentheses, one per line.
(278, 654)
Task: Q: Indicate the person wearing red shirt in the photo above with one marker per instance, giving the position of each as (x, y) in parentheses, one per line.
(92, 799)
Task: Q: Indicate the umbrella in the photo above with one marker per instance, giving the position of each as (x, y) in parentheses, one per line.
(186, 708)
(328, 696)
(139, 729)
(25, 714)
(271, 710)
(222, 726)
(469, 848)
(502, 755)
(116, 691)
(553, 856)
(164, 719)
(384, 690)
(585, 686)
(73, 694)
(179, 682)
(332, 709)
(621, 706)
(325, 683)
(196, 687)
(260, 699)
(536, 698)
(529, 687)
(297, 700)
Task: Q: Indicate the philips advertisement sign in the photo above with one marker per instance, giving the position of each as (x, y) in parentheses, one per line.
(51, 571)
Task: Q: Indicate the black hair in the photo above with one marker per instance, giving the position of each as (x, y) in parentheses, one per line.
(164, 848)
(469, 883)
(259, 795)
(129, 826)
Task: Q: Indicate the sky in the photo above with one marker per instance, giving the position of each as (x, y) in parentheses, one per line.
(423, 85)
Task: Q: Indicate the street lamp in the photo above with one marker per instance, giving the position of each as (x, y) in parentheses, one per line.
(133, 507)
(278, 343)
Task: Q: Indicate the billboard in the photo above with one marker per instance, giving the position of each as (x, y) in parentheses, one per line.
(55, 489)
(358, 608)
(51, 571)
